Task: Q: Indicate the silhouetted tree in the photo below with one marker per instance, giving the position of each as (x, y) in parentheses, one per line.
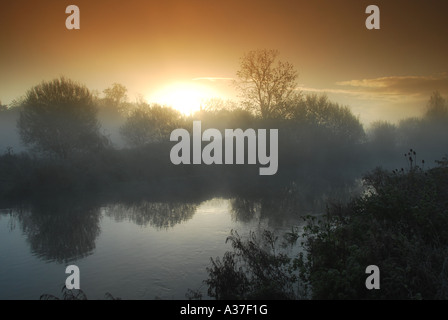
(437, 108)
(320, 112)
(383, 138)
(408, 131)
(222, 114)
(427, 134)
(116, 93)
(115, 97)
(218, 104)
(3, 107)
(266, 85)
(147, 124)
(383, 132)
(59, 117)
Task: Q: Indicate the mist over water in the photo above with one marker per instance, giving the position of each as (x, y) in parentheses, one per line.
(133, 250)
(140, 227)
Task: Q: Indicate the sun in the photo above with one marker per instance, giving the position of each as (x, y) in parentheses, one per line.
(184, 96)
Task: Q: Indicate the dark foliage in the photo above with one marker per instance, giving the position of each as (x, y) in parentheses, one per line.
(399, 224)
(254, 270)
(59, 118)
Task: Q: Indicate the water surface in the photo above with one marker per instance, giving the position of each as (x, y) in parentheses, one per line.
(145, 250)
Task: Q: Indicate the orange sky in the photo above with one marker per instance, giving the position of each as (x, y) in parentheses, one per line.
(148, 45)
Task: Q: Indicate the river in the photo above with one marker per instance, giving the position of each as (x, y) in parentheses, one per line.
(145, 250)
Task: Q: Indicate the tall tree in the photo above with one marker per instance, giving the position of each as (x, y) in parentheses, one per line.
(59, 117)
(266, 84)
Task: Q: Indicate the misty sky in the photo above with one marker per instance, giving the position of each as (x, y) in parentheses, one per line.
(148, 46)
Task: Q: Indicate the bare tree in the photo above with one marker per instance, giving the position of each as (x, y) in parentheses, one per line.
(265, 84)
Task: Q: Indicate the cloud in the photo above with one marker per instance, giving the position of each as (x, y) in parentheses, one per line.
(325, 90)
(389, 98)
(398, 85)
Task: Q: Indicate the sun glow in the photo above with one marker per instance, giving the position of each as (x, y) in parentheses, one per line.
(185, 97)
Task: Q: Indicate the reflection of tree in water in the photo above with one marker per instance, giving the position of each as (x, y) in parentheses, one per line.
(60, 231)
(244, 209)
(292, 201)
(161, 215)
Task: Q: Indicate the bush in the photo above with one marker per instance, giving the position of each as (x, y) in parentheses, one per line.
(254, 270)
(399, 225)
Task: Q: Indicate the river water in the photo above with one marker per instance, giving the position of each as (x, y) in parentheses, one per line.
(145, 250)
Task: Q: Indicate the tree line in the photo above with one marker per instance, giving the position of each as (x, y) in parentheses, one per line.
(62, 120)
